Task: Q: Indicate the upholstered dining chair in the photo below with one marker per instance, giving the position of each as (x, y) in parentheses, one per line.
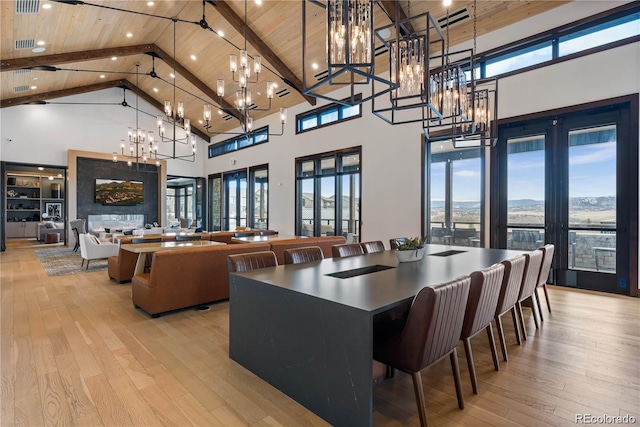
(251, 261)
(528, 288)
(393, 243)
(303, 254)
(480, 311)
(371, 247)
(346, 250)
(509, 292)
(544, 275)
(188, 238)
(429, 333)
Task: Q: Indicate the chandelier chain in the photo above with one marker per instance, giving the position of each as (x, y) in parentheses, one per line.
(475, 25)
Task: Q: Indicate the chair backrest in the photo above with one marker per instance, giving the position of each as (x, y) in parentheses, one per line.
(393, 243)
(83, 245)
(185, 222)
(147, 240)
(440, 232)
(251, 261)
(483, 299)
(302, 255)
(433, 325)
(464, 233)
(244, 234)
(188, 238)
(268, 233)
(531, 273)
(79, 224)
(511, 283)
(347, 249)
(547, 259)
(371, 247)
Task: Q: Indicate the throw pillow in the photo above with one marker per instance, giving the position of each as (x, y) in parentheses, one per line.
(94, 239)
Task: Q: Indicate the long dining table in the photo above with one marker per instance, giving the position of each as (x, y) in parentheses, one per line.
(307, 329)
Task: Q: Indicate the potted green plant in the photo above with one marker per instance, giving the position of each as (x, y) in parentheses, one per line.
(410, 249)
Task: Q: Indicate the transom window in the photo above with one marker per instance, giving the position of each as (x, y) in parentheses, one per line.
(239, 142)
(327, 115)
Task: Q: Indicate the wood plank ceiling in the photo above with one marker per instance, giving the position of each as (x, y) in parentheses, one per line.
(108, 43)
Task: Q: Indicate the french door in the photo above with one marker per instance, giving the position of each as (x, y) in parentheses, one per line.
(235, 194)
(571, 180)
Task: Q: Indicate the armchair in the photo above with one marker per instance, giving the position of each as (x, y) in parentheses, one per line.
(91, 248)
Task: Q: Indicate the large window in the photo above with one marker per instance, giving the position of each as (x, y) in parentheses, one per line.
(621, 25)
(327, 115)
(328, 194)
(181, 202)
(239, 198)
(239, 142)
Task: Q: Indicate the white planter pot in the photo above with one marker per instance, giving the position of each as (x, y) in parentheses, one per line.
(410, 255)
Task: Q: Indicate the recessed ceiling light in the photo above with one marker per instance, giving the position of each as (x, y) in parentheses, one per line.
(219, 111)
(34, 87)
(221, 33)
(46, 6)
(113, 58)
(129, 35)
(173, 76)
(38, 49)
(447, 3)
(155, 89)
(314, 66)
(40, 168)
(193, 57)
(102, 76)
(200, 121)
(40, 43)
(259, 2)
(150, 3)
(35, 78)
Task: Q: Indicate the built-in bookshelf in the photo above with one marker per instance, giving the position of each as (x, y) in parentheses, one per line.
(32, 196)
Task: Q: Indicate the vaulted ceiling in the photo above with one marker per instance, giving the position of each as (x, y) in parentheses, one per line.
(92, 45)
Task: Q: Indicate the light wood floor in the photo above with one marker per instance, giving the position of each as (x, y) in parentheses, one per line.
(74, 351)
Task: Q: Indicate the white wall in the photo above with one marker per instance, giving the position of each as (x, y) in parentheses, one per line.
(42, 134)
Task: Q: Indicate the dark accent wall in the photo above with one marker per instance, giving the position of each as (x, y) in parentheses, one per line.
(91, 169)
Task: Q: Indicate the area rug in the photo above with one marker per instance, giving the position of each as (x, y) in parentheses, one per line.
(62, 262)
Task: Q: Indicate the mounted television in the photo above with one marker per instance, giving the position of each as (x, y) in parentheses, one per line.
(116, 192)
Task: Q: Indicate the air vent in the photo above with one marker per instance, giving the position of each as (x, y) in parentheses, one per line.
(321, 75)
(19, 89)
(382, 49)
(27, 7)
(25, 44)
(21, 71)
(252, 107)
(454, 17)
(227, 117)
(282, 93)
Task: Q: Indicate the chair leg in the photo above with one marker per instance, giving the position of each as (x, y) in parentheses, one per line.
(472, 367)
(503, 343)
(524, 329)
(516, 327)
(455, 368)
(492, 346)
(419, 392)
(538, 304)
(546, 296)
(534, 310)
(87, 264)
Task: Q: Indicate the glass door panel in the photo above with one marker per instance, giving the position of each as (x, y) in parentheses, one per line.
(307, 204)
(350, 207)
(592, 199)
(260, 191)
(235, 198)
(525, 192)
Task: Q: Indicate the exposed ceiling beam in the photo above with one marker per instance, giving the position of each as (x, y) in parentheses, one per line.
(12, 102)
(180, 69)
(89, 55)
(395, 15)
(85, 55)
(263, 49)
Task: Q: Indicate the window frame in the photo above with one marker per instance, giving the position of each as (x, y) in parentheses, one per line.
(317, 113)
(237, 140)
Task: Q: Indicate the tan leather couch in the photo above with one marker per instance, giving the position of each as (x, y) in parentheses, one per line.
(122, 266)
(325, 243)
(186, 277)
